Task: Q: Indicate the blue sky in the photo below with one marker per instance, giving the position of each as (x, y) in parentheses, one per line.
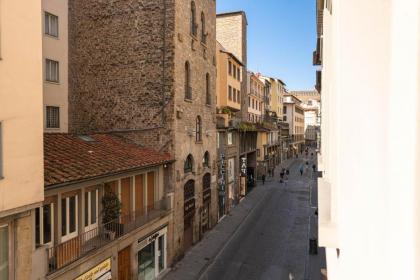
(281, 38)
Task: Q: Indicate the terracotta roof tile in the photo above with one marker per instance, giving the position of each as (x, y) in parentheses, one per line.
(69, 158)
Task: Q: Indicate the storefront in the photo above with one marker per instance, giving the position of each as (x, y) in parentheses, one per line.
(151, 255)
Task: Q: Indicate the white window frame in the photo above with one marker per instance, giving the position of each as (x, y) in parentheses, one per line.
(49, 75)
(69, 235)
(48, 23)
(46, 117)
(41, 225)
(230, 138)
(91, 225)
(146, 242)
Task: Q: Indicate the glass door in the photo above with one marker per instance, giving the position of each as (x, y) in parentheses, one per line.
(146, 262)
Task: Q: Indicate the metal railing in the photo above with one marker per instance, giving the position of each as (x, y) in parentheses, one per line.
(73, 249)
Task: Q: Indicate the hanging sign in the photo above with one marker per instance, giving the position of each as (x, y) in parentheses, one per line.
(243, 166)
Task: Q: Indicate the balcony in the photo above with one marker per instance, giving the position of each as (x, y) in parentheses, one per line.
(74, 249)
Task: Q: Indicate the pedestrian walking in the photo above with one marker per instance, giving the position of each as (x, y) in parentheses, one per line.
(301, 170)
(263, 178)
(287, 172)
(314, 167)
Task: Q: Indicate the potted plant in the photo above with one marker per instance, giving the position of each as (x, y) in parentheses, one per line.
(111, 210)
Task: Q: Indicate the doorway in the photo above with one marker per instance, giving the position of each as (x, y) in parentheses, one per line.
(124, 268)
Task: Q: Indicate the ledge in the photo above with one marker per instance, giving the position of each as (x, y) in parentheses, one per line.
(327, 228)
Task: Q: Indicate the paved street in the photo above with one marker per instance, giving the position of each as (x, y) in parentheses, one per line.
(266, 237)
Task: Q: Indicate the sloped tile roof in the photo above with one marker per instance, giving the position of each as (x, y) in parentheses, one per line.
(69, 158)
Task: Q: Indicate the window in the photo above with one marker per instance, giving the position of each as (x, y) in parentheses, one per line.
(203, 29)
(51, 71)
(193, 20)
(252, 103)
(231, 170)
(249, 101)
(230, 68)
(198, 130)
(230, 138)
(44, 224)
(206, 159)
(51, 24)
(234, 71)
(4, 252)
(234, 95)
(238, 74)
(188, 164)
(91, 209)
(284, 110)
(188, 89)
(53, 117)
(208, 96)
(239, 96)
(69, 221)
(230, 93)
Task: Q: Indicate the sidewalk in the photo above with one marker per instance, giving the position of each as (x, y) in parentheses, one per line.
(197, 259)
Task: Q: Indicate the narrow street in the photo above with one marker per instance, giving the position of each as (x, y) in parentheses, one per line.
(272, 242)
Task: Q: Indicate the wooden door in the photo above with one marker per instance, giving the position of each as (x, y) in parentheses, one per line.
(124, 267)
(188, 232)
(139, 199)
(125, 199)
(150, 190)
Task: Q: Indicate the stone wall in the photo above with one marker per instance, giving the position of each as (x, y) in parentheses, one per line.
(201, 58)
(121, 64)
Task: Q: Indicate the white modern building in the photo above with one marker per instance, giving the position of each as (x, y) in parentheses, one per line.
(369, 213)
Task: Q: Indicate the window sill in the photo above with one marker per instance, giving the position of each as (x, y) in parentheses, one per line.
(199, 142)
(194, 37)
(203, 44)
(52, 82)
(52, 36)
(52, 129)
(188, 100)
(208, 105)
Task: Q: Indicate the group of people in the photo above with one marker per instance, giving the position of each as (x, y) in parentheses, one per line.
(284, 173)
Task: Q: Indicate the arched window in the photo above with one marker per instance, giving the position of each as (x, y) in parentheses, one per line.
(206, 159)
(203, 29)
(193, 22)
(188, 164)
(208, 96)
(188, 89)
(198, 130)
(189, 190)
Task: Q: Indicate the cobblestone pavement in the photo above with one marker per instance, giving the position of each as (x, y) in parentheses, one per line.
(265, 237)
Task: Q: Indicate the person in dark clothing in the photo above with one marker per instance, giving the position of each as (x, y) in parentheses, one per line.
(287, 172)
(282, 174)
(313, 167)
(301, 170)
(263, 178)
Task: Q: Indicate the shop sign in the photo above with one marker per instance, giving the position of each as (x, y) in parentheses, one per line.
(97, 272)
(243, 166)
(189, 206)
(222, 172)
